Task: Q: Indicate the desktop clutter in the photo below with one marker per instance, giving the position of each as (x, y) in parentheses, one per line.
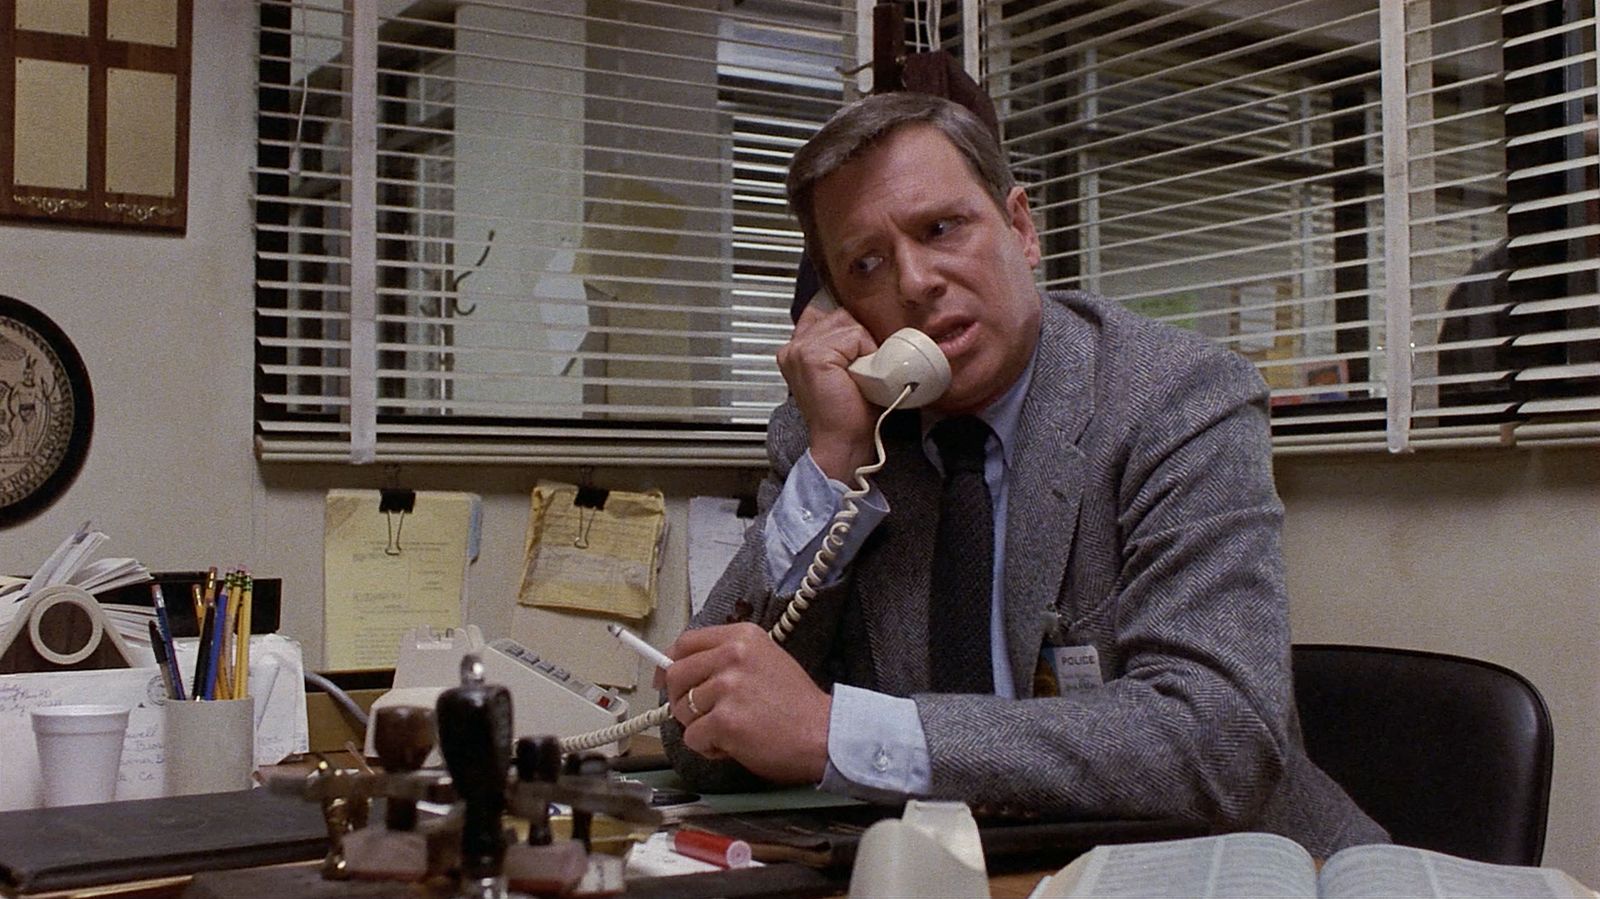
(105, 701)
(467, 846)
(165, 701)
(485, 777)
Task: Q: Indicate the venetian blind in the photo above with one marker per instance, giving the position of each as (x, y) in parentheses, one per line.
(1388, 207)
(501, 231)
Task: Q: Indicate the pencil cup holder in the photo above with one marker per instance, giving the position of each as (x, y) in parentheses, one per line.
(209, 746)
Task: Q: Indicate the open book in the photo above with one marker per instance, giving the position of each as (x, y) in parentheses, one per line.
(1262, 864)
(69, 564)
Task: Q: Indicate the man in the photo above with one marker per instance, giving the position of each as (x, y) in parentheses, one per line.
(1136, 532)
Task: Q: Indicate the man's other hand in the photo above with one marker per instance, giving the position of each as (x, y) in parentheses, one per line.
(751, 701)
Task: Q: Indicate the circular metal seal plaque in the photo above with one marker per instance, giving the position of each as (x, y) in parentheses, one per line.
(46, 411)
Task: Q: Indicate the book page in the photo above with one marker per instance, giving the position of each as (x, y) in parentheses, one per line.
(1382, 871)
(1240, 864)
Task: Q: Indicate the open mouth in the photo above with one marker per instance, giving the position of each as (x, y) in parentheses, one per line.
(951, 338)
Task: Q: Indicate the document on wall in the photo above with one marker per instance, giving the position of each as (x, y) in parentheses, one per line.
(593, 550)
(716, 531)
(393, 560)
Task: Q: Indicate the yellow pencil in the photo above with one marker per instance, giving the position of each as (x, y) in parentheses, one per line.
(241, 668)
(227, 604)
(235, 610)
(199, 607)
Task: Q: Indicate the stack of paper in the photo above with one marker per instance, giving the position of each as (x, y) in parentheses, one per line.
(70, 564)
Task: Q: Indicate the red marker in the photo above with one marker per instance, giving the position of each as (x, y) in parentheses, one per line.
(714, 848)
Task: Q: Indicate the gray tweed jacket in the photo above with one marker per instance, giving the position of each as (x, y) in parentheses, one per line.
(1142, 512)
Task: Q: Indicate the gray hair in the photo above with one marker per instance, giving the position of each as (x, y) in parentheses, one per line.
(860, 125)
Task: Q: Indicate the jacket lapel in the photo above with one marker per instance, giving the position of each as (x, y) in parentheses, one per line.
(1046, 483)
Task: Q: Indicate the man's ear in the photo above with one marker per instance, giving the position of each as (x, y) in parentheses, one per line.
(1020, 218)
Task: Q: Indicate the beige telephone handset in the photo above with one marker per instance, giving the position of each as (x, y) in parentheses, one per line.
(908, 370)
(906, 357)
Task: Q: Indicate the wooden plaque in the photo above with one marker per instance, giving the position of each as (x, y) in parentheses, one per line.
(94, 112)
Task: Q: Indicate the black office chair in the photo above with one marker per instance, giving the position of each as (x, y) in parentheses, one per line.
(1447, 753)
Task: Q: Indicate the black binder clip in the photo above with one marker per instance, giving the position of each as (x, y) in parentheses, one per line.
(589, 498)
(395, 504)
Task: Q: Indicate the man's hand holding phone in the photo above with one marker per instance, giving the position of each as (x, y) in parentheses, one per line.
(815, 363)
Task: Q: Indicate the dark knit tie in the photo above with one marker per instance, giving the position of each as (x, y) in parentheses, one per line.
(963, 564)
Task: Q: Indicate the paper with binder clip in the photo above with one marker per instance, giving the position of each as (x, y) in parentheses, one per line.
(601, 557)
(385, 573)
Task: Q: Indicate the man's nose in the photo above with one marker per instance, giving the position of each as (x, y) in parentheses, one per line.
(920, 279)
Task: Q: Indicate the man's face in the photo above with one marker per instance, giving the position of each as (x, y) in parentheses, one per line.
(912, 239)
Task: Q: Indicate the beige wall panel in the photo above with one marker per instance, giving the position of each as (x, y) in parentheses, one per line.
(141, 132)
(51, 131)
(143, 21)
(54, 16)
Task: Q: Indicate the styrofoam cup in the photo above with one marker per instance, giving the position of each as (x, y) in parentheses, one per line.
(80, 751)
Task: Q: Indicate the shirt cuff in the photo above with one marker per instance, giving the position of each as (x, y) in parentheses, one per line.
(876, 747)
(798, 522)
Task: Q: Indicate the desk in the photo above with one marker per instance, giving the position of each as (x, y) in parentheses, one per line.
(1045, 851)
(302, 881)
(1015, 885)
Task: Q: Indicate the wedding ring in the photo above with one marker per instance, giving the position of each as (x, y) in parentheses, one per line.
(692, 707)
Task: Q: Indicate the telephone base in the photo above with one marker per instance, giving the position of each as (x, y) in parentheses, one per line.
(545, 698)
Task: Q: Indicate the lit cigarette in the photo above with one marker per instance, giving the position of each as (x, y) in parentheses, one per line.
(714, 848)
(650, 653)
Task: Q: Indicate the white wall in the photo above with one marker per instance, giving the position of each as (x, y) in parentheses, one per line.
(1494, 554)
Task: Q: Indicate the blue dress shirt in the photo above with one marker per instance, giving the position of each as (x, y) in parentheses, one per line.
(876, 746)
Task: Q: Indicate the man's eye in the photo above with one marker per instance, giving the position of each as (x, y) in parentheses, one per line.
(866, 264)
(941, 227)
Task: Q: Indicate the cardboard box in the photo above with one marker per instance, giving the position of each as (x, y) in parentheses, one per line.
(330, 727)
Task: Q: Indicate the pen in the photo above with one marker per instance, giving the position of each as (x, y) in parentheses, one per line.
(169, 663)
(159, 647)
(207, 597)
(650, 653)
(203, 655)
(199, 606)
(724, 852)
(226, 631)
(214, 666)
